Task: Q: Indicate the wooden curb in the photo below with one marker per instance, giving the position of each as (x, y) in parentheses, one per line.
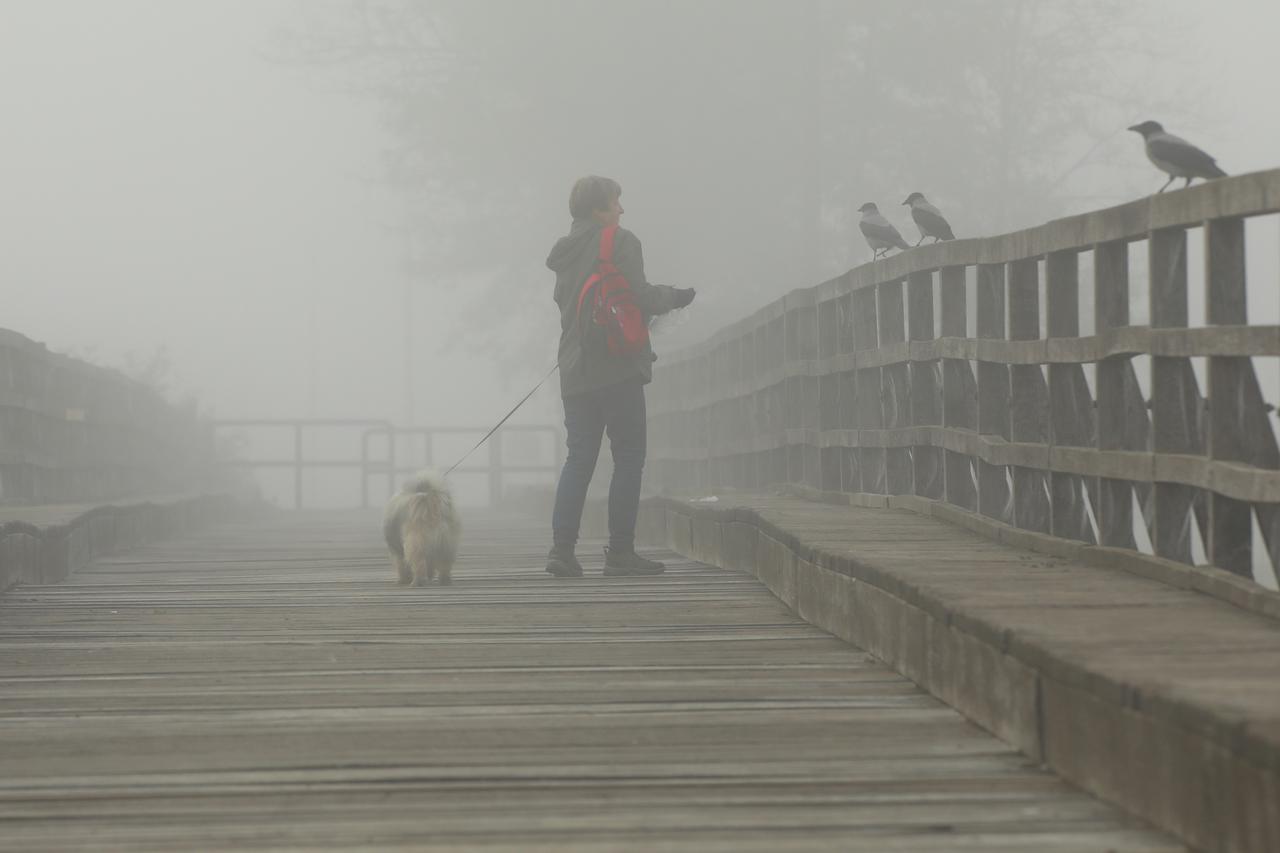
(49, 551)
(1212, 781)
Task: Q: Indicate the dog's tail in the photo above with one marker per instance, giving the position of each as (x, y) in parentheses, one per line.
(430, 509)
(426, 482)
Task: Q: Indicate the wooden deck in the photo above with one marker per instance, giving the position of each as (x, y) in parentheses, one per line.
(265, 685)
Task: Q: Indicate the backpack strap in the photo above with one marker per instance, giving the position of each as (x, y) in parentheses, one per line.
(606, 257)
(606, 242)
(586, 287)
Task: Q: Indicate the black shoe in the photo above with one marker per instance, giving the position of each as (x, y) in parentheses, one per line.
(629, 563)
(563, 564)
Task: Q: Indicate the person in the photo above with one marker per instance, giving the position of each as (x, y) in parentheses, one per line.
(602, 393)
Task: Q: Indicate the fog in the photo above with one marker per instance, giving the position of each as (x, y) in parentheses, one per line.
(237, 199)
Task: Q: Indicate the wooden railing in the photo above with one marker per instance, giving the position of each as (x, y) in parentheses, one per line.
(71, 432)
(855, 386)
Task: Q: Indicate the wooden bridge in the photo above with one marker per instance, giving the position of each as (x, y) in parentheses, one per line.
(263, 684)
(951, 568)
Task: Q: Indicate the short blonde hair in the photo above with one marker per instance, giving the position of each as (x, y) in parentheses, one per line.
(592, 193)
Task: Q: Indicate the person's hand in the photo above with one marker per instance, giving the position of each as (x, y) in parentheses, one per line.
(683, 297)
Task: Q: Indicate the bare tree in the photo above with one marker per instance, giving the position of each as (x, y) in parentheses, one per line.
(743, 131)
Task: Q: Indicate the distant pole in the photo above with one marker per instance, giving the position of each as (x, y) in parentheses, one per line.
(311, 353)
(811, 178)
(410, 413)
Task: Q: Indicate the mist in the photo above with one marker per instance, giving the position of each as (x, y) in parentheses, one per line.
(285, 209)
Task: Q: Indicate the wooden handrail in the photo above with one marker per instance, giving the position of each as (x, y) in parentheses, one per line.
(850, 386)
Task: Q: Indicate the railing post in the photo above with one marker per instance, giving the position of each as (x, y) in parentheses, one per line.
(297, 465)
(755, 366)
(1070, 404)
(847, 394)
(1122, 417)
(1029, 398)
(829, 393)
(959, 389)
(993, 393)
(1238, 427)
(895, 388)
(926, 402)
(868, 404)
(805, 455)
(1177, 406)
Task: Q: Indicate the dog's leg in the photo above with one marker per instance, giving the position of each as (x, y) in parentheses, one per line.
(446, 572)
(415, 552)
(403, 577)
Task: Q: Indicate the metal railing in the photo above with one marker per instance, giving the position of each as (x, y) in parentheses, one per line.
(851, 386)
(387, 466)
(496, 468)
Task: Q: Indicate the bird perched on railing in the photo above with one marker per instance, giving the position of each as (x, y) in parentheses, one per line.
(1175, 156)
(928, 219)
(880, 233)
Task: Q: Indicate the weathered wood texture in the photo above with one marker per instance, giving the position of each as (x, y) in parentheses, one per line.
(71, 432)
(267, 686)
(1006, 422)
(1159, 699)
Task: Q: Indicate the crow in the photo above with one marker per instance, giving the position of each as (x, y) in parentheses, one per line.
(880, 233)
(928, 219)
(1175, 156)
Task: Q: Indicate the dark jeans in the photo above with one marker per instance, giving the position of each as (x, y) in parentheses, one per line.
(619, 411)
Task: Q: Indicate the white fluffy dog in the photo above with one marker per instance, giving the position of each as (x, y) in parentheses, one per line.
(422, 531)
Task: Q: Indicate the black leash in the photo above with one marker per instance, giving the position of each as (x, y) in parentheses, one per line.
(523, 400)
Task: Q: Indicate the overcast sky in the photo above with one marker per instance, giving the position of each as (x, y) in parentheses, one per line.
(162, 184)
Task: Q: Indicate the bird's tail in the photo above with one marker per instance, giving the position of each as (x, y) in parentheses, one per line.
(1216, 171)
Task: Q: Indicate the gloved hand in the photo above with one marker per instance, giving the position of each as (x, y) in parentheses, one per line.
(683, 297)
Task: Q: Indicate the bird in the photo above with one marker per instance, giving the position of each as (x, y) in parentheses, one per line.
(1175, 156)
(929, 219)
(880, 233)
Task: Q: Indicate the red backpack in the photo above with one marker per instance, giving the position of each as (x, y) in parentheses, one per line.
(615, 319)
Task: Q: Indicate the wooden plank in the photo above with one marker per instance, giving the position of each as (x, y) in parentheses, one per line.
(267, 685)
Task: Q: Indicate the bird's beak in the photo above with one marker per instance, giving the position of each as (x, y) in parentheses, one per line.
(1134, 128)
(906, 201)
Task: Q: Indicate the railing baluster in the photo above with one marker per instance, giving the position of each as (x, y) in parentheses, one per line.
(1071, 419)
(895, 389)
(1029, 403)
(1177, 406)
(994, 497)
(1115, 384)
(1239, 430)
(867, 394)
(960, 389)
(926, 402)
